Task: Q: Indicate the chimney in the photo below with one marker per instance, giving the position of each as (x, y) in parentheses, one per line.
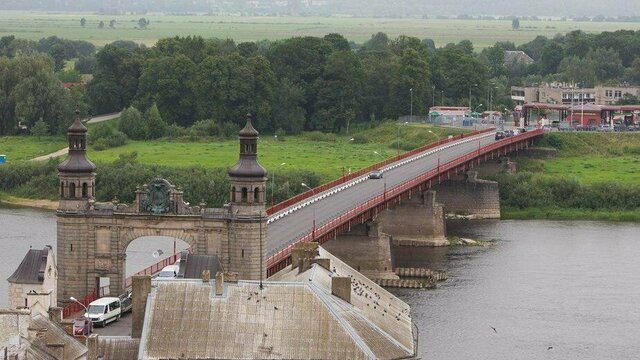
(341, 287)
(325, 263)
(301, 251)
(219, 283)
(92, 347)
(206, 275)
(140, 290)
(55, 314)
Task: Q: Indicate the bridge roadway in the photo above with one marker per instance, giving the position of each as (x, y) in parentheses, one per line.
(285, 230)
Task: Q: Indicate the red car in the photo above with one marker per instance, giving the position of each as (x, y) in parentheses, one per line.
(82, 326)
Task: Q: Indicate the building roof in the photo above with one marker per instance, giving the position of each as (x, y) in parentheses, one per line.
(192, 265)
(512, 57)
(118, 347)
(31, 269)
(52, 336)
(295, 318)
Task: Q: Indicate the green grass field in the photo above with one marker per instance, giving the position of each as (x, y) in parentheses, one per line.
(483, 33)
(590, 157)
(18, 148)
(327, 158)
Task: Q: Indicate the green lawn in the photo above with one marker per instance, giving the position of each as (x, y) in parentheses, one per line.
(27, 147)
(483, 33)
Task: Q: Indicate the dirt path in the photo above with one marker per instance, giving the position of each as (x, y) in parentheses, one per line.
(64, 151)
(52, 155)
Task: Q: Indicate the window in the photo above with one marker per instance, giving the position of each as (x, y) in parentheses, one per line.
(72, 190)
(61, 189)
(618, 94)
(256, 195)
(608, 93)
(85, 190)
(244, 194)
(233, 194)
(242, 253)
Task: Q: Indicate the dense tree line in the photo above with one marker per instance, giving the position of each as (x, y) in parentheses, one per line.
(302, 83)
(576, 57)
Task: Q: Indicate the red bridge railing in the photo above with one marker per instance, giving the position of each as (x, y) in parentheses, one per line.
(395, 191)
(74, 307)
(155, 268)
(341, 180)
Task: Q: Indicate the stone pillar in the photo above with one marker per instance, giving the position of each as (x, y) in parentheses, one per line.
(470, 197)
(416, 222)
(92, 347)
(366, 249)
(341, 287)
(140, 292)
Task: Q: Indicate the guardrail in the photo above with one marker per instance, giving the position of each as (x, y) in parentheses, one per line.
(397, 190)
(353, 175)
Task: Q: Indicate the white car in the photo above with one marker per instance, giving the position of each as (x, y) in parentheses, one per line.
(169, 271)
(104, 311)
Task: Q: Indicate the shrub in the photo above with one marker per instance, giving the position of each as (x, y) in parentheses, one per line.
(204, 128)
(132, 124)
(320, 136)
(360, 139)
(280, 134)
(405, 145)
(104, 137)
(175, 131)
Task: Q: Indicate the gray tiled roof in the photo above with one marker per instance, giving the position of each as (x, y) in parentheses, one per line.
(192, 265)
(31, 269)
(296, 318)
(55, 335)
(118, 347)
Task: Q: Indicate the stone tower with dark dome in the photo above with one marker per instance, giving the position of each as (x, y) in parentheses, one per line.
(77, 174)
(248, 226)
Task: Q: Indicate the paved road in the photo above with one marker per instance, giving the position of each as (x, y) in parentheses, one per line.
(288, 229)
(121, 327)
(102, 118)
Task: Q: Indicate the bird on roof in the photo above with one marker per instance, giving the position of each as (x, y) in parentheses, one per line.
(275, 308)
(494, 329)
(550, 347)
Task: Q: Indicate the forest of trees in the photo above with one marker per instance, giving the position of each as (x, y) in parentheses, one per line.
(302, 83)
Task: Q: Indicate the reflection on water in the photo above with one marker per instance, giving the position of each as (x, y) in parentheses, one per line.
(569, 285)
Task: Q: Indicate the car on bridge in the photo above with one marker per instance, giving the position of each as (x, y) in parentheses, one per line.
(500, 135)
(375, 174)
(126, 302)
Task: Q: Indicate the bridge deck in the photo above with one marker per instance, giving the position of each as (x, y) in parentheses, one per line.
(298, 221)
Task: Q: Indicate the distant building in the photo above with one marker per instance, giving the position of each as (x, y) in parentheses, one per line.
(560, 93)
(34, 283)
(516, 57)
(319, 309)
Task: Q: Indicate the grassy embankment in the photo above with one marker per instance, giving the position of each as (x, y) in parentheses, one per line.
(19, 148)
(483, 33)
(608, 163)
(321, 157)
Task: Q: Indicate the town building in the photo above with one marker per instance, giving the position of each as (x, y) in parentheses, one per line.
(319, 308)
(514, 57)
(33, 285)
(566, 94)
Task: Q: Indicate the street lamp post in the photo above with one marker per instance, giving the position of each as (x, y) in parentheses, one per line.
(313, 229)
(411, 106)
(273, 182)
(81, 304)
(470, 86)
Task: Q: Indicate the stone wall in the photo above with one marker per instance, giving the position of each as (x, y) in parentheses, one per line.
(93, 245)
(472, 197)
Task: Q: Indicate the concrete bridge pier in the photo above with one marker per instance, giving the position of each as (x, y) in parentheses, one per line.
(419, 221)
(469, 196)
(366, 249)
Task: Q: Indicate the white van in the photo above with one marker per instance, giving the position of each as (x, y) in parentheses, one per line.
(104, 310)
(169, 271)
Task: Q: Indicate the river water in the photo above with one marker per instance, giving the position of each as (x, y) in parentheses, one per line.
(570, 285)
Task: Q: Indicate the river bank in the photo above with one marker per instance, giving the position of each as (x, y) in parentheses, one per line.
(557, 213)
(32, 203)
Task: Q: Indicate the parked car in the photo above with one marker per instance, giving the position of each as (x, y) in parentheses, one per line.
(82, 326)
(126, 302)
(605, 128)
(375, 174)
(104, 310)
(500, 135)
